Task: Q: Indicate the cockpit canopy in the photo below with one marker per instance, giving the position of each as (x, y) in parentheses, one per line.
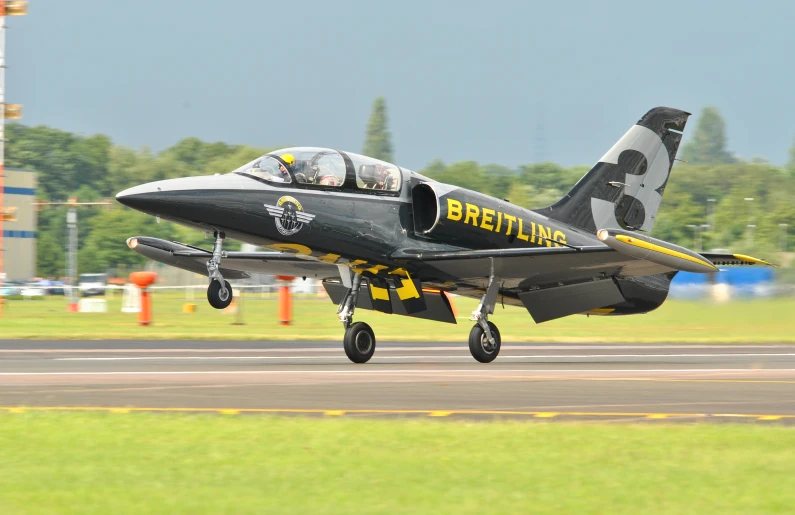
(323, 167)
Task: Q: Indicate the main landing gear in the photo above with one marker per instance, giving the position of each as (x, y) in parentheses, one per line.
(484, 338)
(219, 293)
(359, 341)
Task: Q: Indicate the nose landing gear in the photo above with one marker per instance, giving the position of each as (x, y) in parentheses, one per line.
(219, 292)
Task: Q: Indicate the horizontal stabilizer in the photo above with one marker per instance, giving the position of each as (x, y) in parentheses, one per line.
(734, 259)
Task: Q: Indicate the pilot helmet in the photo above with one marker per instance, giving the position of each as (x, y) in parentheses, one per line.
(288, 158)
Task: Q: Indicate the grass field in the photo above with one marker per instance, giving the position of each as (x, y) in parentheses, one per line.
(168, 463)
(758, 321)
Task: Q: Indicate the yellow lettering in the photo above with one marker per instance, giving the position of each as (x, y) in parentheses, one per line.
(329, 258)
(533, 233)
(485, 222)
(519, 234)
(499, 221)
(544, 234)
(472, 213)
(511, 219)
(293, 248)
(453, 209)
(559, 237)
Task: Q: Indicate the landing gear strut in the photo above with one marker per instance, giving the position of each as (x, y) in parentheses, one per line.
(484, 338)
(359, 341)
(219, 293)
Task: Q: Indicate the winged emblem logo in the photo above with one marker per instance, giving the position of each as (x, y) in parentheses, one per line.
(289, 215)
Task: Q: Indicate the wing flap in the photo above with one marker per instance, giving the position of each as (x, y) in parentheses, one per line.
(435, 304)
(551, 303)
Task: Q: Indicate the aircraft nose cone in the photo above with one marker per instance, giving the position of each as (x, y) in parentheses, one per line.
(203, 199)
(136, 196)
(157, 198)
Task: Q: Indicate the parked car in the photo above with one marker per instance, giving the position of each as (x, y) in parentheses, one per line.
(56, 288)
(92, 284)
(32, 290)
(10, 289)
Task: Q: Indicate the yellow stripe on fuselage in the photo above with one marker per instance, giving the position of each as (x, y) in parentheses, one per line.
(635, 242)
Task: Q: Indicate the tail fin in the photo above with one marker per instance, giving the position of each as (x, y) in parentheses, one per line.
(624, 189)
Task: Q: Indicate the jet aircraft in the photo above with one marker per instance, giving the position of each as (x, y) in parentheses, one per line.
(384, 238)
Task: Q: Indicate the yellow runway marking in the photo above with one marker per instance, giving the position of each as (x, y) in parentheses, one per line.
(430, 413)
(649, 379)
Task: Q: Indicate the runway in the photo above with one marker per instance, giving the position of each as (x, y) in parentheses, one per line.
(620, 383)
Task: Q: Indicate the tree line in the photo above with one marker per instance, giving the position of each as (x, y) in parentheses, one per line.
(704, 199)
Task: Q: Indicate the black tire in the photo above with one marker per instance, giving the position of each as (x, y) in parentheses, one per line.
(359, 342)
(215, 296)
(479, 345)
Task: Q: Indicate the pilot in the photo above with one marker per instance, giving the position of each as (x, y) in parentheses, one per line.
(290, 160)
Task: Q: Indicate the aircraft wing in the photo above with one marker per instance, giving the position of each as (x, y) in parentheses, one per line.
(235, 265)
(552, 282)
(527, 267)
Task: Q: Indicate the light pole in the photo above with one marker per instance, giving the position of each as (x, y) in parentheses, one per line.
(751, 228)
(711, 204)
(698, 238)
(695, 233)
(750, 224)
(71, 249)
(783, 236)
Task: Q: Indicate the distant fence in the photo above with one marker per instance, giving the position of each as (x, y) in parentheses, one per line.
(730, 284)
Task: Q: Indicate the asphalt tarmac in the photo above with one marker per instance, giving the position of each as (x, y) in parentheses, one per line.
(619, 383)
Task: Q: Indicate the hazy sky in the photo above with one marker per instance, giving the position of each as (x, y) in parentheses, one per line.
(462, 79)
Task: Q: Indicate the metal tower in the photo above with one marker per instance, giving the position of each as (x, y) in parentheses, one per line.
(7, 112)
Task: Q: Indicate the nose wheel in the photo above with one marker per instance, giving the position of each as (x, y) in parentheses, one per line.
(219, 293)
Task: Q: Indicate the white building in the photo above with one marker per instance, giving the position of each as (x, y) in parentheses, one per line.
(19, 236)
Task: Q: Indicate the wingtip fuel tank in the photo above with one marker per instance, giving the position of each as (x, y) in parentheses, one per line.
(642, 246)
